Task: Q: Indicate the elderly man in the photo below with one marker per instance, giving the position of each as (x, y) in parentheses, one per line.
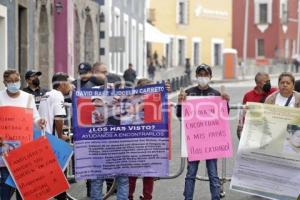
(258, 94)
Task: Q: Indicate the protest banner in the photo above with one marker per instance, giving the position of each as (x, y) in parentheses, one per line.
(16, 126)
(35, 170)
(268, 157)
(206, 127)
(62, 150)
(127, 133)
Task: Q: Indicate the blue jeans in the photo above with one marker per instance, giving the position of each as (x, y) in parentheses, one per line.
(214, 181)
(5, 191)
(122, 188)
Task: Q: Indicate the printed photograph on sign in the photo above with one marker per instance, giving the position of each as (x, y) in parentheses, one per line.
(119, 110)
(291, 144)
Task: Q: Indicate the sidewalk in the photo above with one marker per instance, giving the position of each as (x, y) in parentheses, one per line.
(217, 73)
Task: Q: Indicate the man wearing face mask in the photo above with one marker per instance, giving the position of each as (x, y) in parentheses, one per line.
(33, 82)
(203, 75)
(258, 94)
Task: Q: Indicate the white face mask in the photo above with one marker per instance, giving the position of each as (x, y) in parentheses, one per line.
(203, 81)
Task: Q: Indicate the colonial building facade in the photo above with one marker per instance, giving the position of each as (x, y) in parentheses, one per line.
(198, 30)
(56, 35)
(269, 33)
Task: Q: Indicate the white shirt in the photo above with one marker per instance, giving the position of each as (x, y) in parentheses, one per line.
(23, 101)
(281, 101)
(52, 105)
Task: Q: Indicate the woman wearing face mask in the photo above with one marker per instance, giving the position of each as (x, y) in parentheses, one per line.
(203, 75)
(13, 96)
(286, 96)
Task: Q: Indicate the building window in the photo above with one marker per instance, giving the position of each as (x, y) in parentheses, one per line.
(260, 48)
(263, 13)
(196, 53)
(284, 13)
(217, 54)
(181, 51)
(182, 12)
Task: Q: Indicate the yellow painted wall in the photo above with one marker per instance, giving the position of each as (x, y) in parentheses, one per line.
(204, 27)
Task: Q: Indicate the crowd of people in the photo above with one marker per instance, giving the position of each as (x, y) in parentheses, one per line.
(48, 113)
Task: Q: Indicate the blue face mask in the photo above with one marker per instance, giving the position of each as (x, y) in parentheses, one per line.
(13, 87)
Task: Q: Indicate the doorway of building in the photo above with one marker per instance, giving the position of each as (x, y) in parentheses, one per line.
(23, 41)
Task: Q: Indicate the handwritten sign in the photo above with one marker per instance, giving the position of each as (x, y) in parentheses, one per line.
(36, 171)
(16, 125)
(62, 150)
(205, 121)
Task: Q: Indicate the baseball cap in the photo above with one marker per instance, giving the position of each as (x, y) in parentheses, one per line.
(60, 77)
(204, 67)
(84, 68)
(31, 73)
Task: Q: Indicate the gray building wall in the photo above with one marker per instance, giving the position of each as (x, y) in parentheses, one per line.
(20, 54)
(134, 10)
(11, 43)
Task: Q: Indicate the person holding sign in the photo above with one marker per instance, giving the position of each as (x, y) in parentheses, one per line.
(203, 75)
(52, 108)
(13, 96)
(286, 96)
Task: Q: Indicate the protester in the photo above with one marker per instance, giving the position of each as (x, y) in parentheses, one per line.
(13, 96)
(203, 75)
(258, 94)
(148, 182)
(102, 79)
(286, 96)
(33, 85)
(52, 108)
(129, 76)
(85, 74)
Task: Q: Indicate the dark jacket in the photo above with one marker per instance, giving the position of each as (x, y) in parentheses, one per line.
(196, 91)
(38, 93)
(129, 75)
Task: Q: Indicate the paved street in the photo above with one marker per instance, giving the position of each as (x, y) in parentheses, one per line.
(173, 188)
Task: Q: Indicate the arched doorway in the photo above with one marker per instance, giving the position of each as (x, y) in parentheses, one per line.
(88, 40)
(43, 48)
(77, 59)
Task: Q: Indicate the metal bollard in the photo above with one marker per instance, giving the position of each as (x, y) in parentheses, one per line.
(185, 82)
(181, 82)
(173, 84)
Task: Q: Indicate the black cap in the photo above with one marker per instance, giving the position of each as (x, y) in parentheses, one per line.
(204, 67)
(84, 68)
(60, 77)
(31, 73)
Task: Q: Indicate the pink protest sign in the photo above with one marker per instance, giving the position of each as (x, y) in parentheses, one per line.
(206, 124)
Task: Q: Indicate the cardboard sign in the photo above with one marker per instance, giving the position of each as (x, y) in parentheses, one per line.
(206, 125)
(16, 125)
(36, 171)
(62, 150)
